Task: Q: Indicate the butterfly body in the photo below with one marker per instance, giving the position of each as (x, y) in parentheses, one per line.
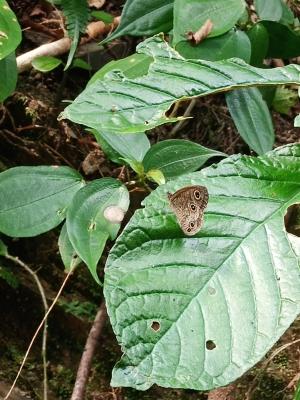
(188, 205)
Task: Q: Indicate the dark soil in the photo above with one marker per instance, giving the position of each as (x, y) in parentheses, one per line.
(31, 135)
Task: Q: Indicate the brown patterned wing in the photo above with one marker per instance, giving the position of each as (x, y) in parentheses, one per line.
(188, 205)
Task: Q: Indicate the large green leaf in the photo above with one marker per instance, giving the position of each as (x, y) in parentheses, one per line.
(66, 250)
(141, 18)
(190, 15)
(259, 39)
(197, 312)
(9, 76)
(34, 200)
(252, 118)
(10, 30)
(176, 157)
(234, 43)
(134, 105)
(87, 227)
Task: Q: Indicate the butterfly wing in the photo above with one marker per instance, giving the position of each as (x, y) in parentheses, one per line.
(188, 205)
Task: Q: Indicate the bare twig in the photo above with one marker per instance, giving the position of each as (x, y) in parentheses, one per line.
(37, 332)
(186, 114)
(17, 261)
(88, 353)
(59, 47)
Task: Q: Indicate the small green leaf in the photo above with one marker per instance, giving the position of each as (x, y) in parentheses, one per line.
(34, 200)
(223, 14)
(103, 16)
(269, 10)
(66, 250)
(3, 249)
(46, 63)
(88, 229)
(176, 157)
(131, 66)
(9, 76)
(10, 30)
(283, 41)
(129, 146)
(259, 39)
(234, 43)
(156, 176)
(287, 17)
(80, 63)
(140, 18)
(284, 99)
(9, 277)
(252, 118)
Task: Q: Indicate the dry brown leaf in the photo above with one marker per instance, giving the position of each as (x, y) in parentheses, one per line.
(201, 34)
(96, 3)
(224, 393)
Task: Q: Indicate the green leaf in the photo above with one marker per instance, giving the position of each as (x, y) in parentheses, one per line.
(284, 99)
(140, 18)
(156, 176)
(103, 16)
(283, 42)
(176, 157)
(34, 200)
(3, 249)
(9, 76)
(10, 30)
(197, 312)
(259, 39)
(142, 103)
(88, 229)
(190, 16)
(287, 17)
(7, 275)
(252, 118)
(66, 250)
(132, 146)
(80, 63)
(45, 63)
(234, 43)
(270, 10)
(132, 67)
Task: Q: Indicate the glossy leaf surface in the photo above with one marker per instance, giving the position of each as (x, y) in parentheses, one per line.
(141, 18)
(9, 76)
(88, 229)
(34, 200)
(197, 312)
(176, 157)
(10, 30)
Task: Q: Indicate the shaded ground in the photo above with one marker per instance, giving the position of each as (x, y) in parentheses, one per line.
(31, 135)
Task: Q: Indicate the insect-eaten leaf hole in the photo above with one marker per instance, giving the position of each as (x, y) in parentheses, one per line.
(155, 326)
(211, 290)
(292, 220)
(210, 345)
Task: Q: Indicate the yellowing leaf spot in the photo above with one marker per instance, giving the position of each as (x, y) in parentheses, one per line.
(92, 226)
(5, 7)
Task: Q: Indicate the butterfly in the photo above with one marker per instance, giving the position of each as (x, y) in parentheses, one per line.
(188, 205)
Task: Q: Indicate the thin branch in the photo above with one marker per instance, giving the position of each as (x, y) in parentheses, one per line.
(17, 261)
(37, 332)
(88, 353)
(183, 121)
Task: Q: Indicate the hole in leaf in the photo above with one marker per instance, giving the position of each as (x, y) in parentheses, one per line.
(211, 290)
(92, 226)
(292, 220)
(146, 122)
(155, 326)
(210, 345)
